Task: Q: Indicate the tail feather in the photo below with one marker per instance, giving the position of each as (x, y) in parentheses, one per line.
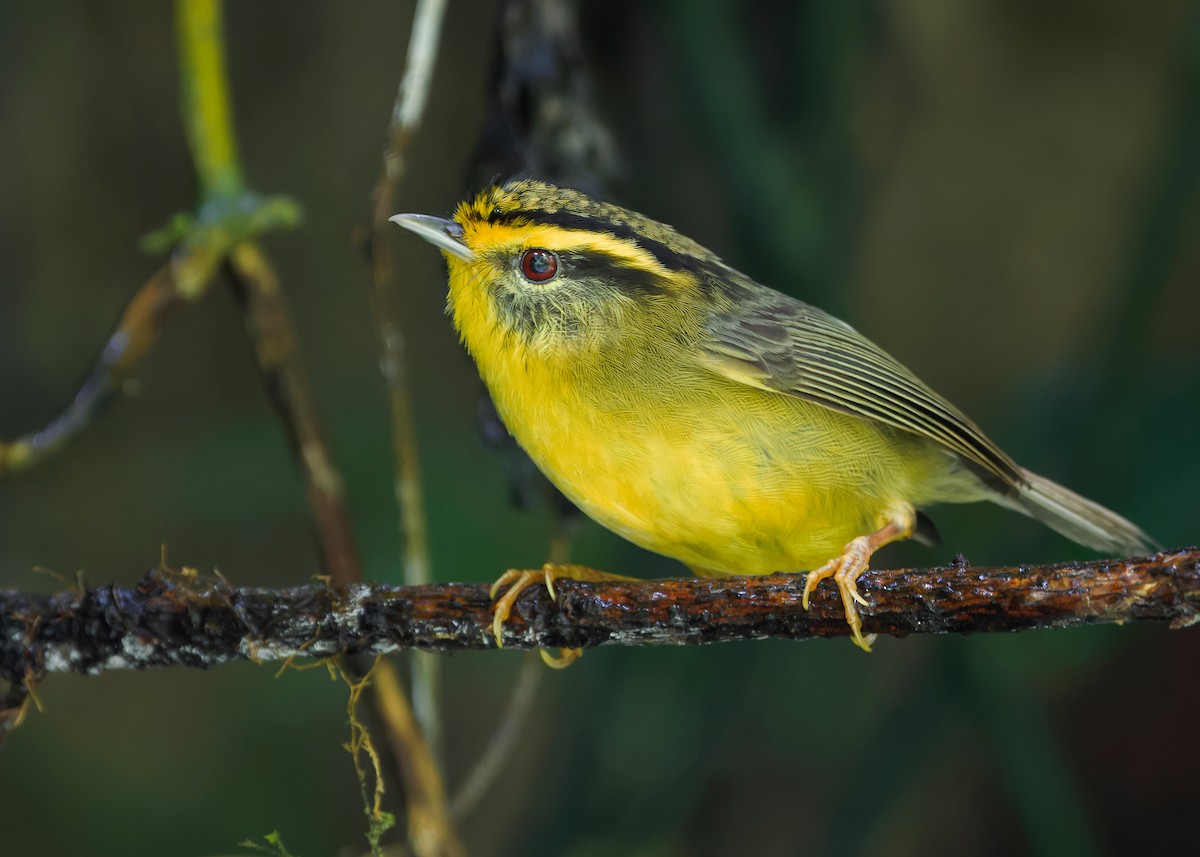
(1079, 519)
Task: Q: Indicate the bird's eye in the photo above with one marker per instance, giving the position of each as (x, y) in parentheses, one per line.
(538, 265)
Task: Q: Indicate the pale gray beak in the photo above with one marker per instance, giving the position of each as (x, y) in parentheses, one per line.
(443, 234)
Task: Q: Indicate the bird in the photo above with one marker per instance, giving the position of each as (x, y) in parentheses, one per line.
(704, 416)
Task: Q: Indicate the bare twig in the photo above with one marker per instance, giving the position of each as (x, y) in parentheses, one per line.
(174, 620)
(503, 740)
(414, 732)
(137, 329)
(203, 245)
(208, 120)
(406, 117)
(407, 113)
(273, 335)
(430, 831)
(409, 107)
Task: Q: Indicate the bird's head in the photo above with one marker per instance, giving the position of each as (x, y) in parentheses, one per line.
(555, 271)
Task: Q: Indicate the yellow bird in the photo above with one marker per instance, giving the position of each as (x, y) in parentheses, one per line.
(702, 415)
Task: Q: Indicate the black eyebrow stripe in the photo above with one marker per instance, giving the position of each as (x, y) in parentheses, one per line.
(612, 271)
(668, 258)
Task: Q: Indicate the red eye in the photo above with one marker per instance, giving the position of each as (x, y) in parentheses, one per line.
(538, 265)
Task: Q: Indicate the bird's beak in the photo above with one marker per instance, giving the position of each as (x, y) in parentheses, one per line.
(444, 234)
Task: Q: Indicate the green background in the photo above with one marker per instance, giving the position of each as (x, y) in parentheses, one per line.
(1003, 195)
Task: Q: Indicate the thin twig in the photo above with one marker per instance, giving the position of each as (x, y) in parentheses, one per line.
(407, 113)
(187, 620)
(212, 141)
(430, 832)
(137, 330)
(272, 333)
(415, 734)
(406, 117)
(503, 740)
(409, 107)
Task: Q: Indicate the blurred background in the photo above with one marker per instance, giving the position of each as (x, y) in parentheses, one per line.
(1003, 195)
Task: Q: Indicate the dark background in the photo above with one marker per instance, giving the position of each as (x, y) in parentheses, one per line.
(1003, 195)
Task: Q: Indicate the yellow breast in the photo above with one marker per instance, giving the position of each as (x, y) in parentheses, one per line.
(721, 476)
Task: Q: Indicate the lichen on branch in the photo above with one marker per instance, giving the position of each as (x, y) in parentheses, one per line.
(174, 619)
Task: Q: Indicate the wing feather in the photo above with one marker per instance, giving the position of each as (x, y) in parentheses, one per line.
(778, 343)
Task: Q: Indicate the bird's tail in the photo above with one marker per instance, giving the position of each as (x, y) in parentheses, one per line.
(1079, 519)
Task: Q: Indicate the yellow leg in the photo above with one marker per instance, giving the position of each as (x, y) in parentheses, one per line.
(518, 580)
(847, 568)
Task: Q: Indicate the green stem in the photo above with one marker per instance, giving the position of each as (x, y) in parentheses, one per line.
(205, 94)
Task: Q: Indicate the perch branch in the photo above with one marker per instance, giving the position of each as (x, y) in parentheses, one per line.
(171, 619)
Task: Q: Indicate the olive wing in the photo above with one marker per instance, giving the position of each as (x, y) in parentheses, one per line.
(778, 343)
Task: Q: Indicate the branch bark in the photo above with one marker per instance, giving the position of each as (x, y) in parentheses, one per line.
(173, 619)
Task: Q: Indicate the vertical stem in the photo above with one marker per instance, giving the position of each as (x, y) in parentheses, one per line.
(206, 111)
(406, 118)
(430, 826)
(409, 106)
(207, 118)
(277, 354)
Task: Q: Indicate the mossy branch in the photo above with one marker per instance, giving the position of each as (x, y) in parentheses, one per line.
(173, 619)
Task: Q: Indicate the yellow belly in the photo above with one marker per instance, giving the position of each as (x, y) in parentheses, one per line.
(726, 478)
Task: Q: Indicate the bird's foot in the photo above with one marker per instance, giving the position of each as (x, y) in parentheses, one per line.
(515, 581)
(847, 568)
(845, 571)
